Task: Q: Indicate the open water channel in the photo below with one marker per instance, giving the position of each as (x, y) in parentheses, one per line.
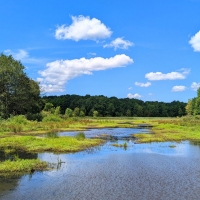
(141, 171)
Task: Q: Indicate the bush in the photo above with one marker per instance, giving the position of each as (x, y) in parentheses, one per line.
(80, 136)
(52, 118)
(34, 117)
(20, 119)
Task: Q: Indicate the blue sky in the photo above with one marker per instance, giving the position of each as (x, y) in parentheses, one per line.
(145, 49)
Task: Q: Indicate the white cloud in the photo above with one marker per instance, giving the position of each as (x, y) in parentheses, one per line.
(134, 96)
(119, 43)
(195, 86)
(59, 72)
(157, 76)
(83, 28)
(195, 41)
(130, 88)
(21, 55)
(150, 94)
(142, 84)
(178, 88)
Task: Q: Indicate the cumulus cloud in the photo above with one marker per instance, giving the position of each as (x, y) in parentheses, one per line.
(57, 73)
(134, 96)
(21, 55)
(195, 41)
(119, 43)
(130, 88)
(195, 86)
(158, 76)
(83, 28)
(147, 84)
(178, 88)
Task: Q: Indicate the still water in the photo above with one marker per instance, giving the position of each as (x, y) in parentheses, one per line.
(142, 171)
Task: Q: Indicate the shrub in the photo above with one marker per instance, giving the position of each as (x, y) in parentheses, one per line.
(51, 118)
(20, 119)
(80, 136)
(34, 117)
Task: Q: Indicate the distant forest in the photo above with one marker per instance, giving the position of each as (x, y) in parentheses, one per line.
(114, 107)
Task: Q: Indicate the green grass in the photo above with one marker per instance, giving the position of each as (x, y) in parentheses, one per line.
(22, 166)
(172, 129)
(60, 144)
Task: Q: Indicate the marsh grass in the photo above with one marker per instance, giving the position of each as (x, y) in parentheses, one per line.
(172, 129)
(36, 144)
(124, 145)
(80, 136)
(164, 129)
(17, 166)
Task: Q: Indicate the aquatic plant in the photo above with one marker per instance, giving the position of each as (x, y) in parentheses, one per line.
(16, 166)
(80, 136)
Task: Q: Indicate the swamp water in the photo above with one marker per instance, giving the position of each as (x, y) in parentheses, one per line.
(140, 171)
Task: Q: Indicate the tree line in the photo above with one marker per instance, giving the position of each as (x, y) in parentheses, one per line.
(113, 107)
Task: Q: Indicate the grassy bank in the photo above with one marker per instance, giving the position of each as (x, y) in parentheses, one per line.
(172, 129)
(36, 144)
(18, 166)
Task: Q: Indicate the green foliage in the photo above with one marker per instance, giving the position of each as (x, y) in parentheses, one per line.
(193, 105)
(114, 107)
(68, 112)
(48, 107)
(57, 110)
(52, 118)
(80, 136)
(60, 144)
(128, 113)
(82, 114)
(95, 113)
(76, 112)
(18, 93)
(20, 119)
(34, 117)
(21, 166)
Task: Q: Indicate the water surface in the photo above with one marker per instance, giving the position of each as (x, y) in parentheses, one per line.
(142, 171)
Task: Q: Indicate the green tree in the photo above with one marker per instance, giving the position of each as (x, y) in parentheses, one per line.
(197, 103)
(69, 112)
(57, 110)
(82, 114)
(95, 113)
(190, 106)
(18, 93)
(76, 112)
(48, 107)
(128, 113)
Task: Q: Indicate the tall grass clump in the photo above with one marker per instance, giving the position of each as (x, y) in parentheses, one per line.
(17, 166)
(52, 134)
(80, 136)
